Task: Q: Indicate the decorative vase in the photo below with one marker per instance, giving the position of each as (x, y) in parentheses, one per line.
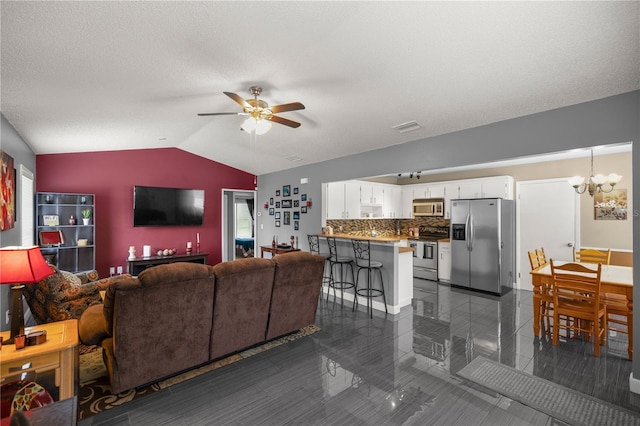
(72, 220)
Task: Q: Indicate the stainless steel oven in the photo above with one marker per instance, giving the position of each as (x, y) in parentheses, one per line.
(425, 259)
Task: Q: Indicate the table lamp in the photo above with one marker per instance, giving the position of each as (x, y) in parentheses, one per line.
(19, 266)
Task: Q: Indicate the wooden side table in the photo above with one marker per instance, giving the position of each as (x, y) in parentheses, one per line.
(59, 353)
(275, 250)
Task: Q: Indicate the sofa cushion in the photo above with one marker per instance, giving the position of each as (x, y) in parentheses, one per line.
(92, 326)
(241, 304)
(296, 289)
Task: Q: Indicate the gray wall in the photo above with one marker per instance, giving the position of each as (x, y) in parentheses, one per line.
(605, 121)
(13, 144)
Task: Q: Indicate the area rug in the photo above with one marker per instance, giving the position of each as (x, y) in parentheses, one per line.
(557, 401)
(95, 392)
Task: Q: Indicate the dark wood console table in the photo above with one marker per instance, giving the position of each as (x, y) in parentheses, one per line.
(139, 264)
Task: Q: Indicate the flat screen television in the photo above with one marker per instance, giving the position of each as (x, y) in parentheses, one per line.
(155, 206)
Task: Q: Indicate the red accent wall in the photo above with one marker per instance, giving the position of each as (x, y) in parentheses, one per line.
(111, 176)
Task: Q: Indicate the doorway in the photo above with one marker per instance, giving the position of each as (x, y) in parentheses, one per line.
(238, 224)
(548, 217)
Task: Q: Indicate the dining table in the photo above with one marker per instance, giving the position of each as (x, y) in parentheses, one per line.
(613, 279)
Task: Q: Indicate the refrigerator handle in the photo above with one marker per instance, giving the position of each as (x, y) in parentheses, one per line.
(469, 231)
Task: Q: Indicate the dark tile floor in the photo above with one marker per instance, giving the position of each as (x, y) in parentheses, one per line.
(391, 370)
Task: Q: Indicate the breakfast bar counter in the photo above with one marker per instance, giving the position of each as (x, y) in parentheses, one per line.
(397, 270)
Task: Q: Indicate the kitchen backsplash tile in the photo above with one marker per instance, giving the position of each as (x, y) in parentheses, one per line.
(383, 227)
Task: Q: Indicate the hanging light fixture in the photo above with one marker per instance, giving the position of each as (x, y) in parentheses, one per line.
(595, 183)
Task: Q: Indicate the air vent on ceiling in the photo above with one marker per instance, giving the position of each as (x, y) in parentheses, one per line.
(409, 126)
(293, 158)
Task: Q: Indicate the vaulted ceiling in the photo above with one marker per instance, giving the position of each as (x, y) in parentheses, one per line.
(95, 76)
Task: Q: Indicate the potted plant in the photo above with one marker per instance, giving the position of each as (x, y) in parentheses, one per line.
(86, 216)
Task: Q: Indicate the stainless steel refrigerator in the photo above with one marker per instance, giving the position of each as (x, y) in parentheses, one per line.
(483, 244)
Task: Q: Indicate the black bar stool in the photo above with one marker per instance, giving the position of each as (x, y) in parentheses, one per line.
(342, 262)
(314, 247)
(362, 254)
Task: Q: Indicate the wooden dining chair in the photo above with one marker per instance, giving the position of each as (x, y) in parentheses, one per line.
(542, 258)
(618, 312)
(592, 256)
(533, 260)
(576, 296)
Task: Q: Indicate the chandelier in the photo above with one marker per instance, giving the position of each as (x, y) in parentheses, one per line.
(595, 183)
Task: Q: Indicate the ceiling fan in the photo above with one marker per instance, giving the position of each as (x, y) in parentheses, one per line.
(260, 113)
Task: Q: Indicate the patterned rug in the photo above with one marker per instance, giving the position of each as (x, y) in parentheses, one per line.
(95, 392)
(557, 401)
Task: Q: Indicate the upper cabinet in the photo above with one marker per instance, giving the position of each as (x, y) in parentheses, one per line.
(371, 193)
(392, 207)
(358, 199)
(343, 200)
(490, 187)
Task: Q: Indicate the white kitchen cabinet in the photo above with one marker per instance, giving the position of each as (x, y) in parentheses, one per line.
(371, 193)
(392, 207)
(444, 261)
(407, 201)
(470, 188)
(435, 190)
(343, 200)
(491, 187)
(450, 193)
(500, 187)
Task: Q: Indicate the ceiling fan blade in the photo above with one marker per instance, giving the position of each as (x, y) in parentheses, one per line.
(244, 104)
(203, 114)
(284, 121)
(294, 106)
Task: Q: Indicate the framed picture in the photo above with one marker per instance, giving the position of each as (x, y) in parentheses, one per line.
(611, 205)
(296, 215)
(296, 225)
(271, 201)
(303, 197)
(8, 194)
(277, 215)
(277, 204)
(295, 190)
(287, 218)
(270, 211)
(277, 224)
(286, 191)
(277, 192)
(303, 209)
(286, 204)
(296, 203)
(50, 220)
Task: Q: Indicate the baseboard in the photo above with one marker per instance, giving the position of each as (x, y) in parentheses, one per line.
(634, 384)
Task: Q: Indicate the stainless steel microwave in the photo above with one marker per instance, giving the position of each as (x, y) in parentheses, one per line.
(427, 207)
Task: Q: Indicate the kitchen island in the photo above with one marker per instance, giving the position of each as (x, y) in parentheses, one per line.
(397, 270)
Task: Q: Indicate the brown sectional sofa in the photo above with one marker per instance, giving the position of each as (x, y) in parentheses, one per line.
(178, 316)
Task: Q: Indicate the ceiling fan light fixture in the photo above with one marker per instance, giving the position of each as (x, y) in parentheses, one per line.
(262, 127)
(249, 125)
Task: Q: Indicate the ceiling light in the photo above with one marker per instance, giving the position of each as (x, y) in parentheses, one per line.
(249, 125)
(262, 127)
(595, 183)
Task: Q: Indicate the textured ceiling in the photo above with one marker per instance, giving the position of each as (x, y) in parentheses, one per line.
(95, 76)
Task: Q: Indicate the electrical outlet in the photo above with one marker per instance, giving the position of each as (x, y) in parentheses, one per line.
(119, 270)
(613, 333)
(112, 271)
(8, 315)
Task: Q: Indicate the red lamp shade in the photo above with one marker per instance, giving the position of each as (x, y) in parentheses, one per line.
(20, 265)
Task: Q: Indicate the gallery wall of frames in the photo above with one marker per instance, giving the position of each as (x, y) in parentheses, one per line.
(287, 207)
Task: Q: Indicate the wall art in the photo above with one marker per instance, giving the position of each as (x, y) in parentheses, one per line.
(8, 196)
